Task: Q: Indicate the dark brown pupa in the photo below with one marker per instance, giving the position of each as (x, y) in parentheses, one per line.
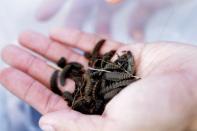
(62, 62)
(104, 79)
(54, 83)
(117, 76)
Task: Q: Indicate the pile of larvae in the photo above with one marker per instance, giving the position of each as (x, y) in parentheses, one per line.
(99, 83)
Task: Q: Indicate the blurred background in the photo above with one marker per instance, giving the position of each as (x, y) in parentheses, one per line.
(128, 22)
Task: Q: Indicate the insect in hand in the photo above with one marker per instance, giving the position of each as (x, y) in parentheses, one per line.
(54, 83)
(117, 76)
(109, 95)
(62, 62)
(68, 97)
(119, 84)
(99, 83)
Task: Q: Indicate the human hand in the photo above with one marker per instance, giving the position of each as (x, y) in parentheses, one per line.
(163, 100)
(142, 14)
(79, 12)
(49, 8)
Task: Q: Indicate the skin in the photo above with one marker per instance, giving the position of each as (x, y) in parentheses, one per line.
(165, 99)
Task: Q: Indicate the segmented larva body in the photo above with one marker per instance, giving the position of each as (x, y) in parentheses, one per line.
(97, 48)
(115, 85)
(103, 84)
(64, 74)
(79, 105)
(95, 62)
(99, 107)
(95, 73)
(54, 83)
(107, 57)
(62, 62)
(111, 66)
(82, 105)
(117, 76)
(68, 97)
(109, 95)
(94, 89)
(95, 53)
(88, 87)
(87, 55)
(71, 68)
(98, 84)
(76, 65)
(131, 63)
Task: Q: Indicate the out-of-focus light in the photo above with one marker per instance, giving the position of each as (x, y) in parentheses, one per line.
(113, 1)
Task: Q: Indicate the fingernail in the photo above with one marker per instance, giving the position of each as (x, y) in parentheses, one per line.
(47, 128)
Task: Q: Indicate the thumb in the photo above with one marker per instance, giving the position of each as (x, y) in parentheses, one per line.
(65, 120)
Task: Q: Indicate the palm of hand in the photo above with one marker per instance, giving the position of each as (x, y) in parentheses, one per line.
(161, 101)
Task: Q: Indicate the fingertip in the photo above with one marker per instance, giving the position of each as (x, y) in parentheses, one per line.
(27, 37)
(48, 9)
(6, 51)
(1, 74)
(42, 16)
(53, 32)
(4, 73)
(34, 41)
(22, 37)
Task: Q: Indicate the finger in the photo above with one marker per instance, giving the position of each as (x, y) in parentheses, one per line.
(32, 65)
(26, 62)
(81, 40)
(48, 9)
(31, 91)
(102, 25)
(74, 122)
(80, 8)
(47, 48)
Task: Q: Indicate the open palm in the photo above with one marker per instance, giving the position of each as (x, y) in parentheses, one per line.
(163, 100)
